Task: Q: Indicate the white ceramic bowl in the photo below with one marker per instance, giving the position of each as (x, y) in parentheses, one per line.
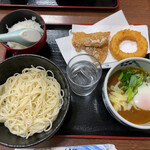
(129, 62)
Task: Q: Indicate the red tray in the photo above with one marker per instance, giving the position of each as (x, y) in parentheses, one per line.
(90, 4)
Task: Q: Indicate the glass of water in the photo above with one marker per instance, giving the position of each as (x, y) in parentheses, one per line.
(83, 73)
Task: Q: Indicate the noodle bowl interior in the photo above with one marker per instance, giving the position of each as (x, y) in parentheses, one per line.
(128, 91)
(30, 101)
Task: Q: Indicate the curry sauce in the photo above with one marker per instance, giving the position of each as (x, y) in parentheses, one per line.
(137, 116)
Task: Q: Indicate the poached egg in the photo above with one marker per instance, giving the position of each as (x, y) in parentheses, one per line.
(142, 98)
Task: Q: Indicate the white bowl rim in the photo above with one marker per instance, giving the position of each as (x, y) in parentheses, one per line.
(107, 98)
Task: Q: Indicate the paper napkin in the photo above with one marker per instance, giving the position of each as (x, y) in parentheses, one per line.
(80, 147)
(113, 24)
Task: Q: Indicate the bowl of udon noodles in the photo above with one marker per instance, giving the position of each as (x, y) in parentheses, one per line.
(126, 92)
(34, 100)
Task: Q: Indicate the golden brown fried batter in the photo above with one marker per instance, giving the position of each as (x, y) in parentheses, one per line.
(95, 44)
(98, 52)
(127, 34)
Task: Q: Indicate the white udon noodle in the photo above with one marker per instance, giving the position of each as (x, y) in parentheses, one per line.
(120, 99)
(30, 101)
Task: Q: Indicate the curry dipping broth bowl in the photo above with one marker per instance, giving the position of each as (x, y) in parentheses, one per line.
(17, 16)
(135, 62)
(16, 64)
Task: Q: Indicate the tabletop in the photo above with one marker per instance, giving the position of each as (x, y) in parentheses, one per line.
(136, 12)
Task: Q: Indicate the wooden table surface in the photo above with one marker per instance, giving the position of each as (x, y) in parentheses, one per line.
(136, 12)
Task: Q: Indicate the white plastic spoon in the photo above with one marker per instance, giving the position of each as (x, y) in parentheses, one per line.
(24, 36)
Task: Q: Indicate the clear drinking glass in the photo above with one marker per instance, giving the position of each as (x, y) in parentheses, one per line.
(83, 73)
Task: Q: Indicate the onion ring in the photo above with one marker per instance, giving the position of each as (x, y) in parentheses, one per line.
(127, 34)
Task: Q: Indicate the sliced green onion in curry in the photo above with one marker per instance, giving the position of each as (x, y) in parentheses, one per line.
(130, 80)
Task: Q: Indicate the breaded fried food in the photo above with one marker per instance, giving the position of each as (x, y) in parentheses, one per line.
(98, 52)
(95, 44)
(127, 34)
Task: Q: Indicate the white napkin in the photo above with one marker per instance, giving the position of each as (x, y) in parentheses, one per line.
(80, 147)
(112, 24)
